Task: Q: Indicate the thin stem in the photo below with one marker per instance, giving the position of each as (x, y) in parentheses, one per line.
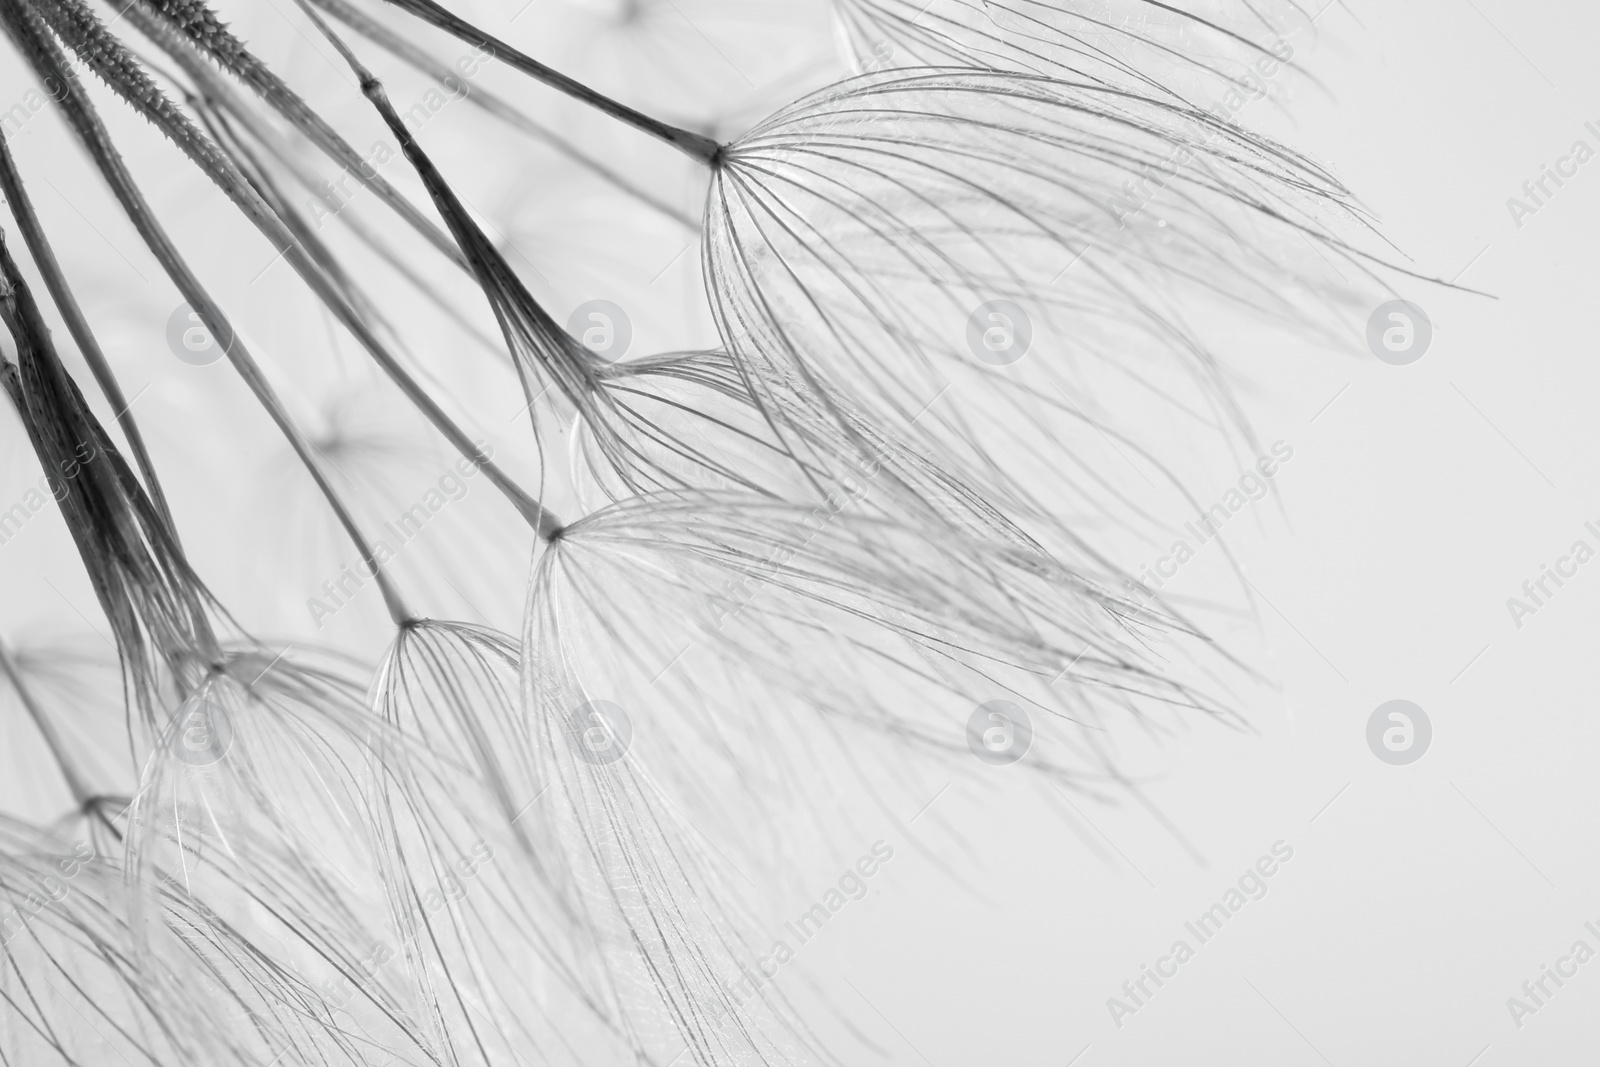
(196, 64)
(78, 326)
(418, 59)
(471, 239)
(219, 112)
(97, 48)
(696, 146)
(81, 793)
(156, 239)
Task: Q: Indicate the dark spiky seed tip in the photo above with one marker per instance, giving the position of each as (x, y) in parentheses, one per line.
(556, 534)
(199, 23)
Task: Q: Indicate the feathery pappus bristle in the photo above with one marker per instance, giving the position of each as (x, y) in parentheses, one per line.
(828, 500)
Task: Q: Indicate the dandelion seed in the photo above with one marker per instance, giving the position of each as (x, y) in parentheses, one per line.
(869, 503)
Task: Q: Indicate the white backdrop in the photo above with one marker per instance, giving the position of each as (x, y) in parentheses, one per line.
(1419, 498)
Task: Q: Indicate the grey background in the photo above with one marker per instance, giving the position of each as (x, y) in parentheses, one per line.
(1419, 898)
